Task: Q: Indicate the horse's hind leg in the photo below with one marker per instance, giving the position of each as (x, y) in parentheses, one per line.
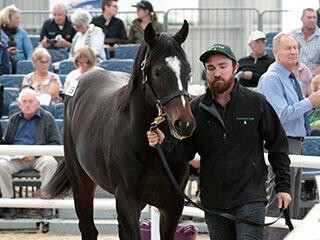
(83, 189)
(128, 211)
(169, 218)
(83, 198)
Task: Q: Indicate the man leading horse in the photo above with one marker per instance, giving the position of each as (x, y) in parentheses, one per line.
(234, 125)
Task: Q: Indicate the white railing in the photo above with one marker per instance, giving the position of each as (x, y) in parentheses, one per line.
(32, 150)
(57, 150)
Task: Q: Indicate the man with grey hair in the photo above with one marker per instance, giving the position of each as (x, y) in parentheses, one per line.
(257, 62)
(309, 38)
(30, 126)
(57, 33)
(283, 91)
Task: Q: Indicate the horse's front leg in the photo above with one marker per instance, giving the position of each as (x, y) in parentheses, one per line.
(169, 217)
(128, 210)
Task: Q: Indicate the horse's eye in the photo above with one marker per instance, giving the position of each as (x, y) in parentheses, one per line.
(156, 72)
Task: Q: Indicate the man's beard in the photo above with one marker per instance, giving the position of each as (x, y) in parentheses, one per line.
(220, 85)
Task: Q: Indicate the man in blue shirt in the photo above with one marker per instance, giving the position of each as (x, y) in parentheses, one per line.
(283, 91)
(31, 126)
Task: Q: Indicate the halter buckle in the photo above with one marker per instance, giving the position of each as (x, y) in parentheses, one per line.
(142, 68)
(160, 118)
(156, 122)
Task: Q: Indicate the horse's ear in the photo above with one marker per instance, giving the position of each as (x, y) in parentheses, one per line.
(181, 36)
(150, 35)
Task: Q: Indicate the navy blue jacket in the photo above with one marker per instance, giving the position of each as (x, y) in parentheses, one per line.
(114, 30)
(50, 29)
(4, 60)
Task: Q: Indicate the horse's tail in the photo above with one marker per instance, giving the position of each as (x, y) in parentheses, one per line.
(59, 185)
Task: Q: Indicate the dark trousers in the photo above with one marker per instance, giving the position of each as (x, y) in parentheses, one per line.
(221, 228)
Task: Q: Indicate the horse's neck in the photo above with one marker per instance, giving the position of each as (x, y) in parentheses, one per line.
(142, 112)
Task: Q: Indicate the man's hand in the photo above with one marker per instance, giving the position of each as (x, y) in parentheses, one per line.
(45, 42)
(246, 75)
(62, 43)
(12, 50)
(315, 99)
(28, 159)
(195, 163)
(283, 199)
(155, 137)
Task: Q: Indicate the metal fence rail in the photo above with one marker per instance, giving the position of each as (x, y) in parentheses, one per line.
(211, 25)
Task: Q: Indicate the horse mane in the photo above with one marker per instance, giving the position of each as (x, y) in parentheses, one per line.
(166, 46)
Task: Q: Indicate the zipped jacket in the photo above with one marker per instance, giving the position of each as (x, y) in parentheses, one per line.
(233, 170)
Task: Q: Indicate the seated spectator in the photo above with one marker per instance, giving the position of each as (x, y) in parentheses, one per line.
(57, 33)
(46, 83)
(4, 59)
(314, 118)
(16, 39)
(145, 15)
(84, 60)
(31, 126)
(87, 34)
(112, 26)
(257, 62)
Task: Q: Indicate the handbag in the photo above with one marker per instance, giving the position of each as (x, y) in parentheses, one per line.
(188, 232)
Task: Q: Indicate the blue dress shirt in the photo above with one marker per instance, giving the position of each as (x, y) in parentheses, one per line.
(26, 131)
(279, 90)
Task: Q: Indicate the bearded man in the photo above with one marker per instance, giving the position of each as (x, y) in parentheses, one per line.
(233, 123)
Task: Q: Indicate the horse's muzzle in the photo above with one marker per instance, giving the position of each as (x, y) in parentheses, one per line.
(184, 127)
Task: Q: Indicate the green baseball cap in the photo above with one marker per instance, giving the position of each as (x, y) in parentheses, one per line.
(218, 49)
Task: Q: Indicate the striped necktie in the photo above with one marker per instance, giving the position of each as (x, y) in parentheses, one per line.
(297, 88)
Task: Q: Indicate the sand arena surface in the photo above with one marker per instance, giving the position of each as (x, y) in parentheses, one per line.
(54, 236)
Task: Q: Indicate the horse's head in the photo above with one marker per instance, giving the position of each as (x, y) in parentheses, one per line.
(165, 73)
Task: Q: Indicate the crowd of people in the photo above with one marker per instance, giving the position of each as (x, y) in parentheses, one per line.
(260, 102)
(62, 35)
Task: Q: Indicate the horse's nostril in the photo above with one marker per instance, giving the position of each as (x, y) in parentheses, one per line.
(178, 124)
(182, 125)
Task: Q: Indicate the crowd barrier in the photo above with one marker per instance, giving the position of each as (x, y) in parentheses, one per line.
(57, 150)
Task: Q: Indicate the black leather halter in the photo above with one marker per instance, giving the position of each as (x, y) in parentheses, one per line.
(160, 102)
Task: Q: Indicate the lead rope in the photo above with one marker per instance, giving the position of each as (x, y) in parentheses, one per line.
(232, 217)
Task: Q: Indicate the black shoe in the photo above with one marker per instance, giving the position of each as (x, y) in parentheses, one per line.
(9, 213)
(46, 213)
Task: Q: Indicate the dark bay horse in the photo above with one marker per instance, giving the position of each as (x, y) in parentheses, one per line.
(105, 125)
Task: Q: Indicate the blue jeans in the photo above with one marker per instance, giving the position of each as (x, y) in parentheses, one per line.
(58, 54)
(221, 228)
